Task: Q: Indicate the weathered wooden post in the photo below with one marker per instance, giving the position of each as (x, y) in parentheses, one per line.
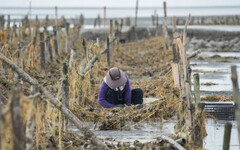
(99, 21)
(56, 15)
(55, 41)
(17, 126)
(196, 82)
(67, 37)
(45, 31)
(105, 13)
(46, 21)
(165, 25)
(49, 47)
(111, 43)
(84, 48)
(236, 97)
(136, 13)
(227, 136)
(71, 59)
(176, 56)
(108, 53)
(42, 52)
(65, 94)
(9, 20)
(153, 20)
(81, 20)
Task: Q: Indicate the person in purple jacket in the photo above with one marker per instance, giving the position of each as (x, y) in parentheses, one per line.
(116, 91)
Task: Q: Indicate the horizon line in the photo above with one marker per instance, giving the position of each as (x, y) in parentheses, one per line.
(99, 7)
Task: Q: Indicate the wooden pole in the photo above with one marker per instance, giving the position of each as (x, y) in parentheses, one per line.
(111, 45)
(185, 30)
(236, 97)
(9, 20)
(105, 13)
(176, 57)
(108, 53)
(42, 52)
(165, 24)
(67, 37)
(65, 92)
(30, 10)
(48, 43)
(84, 48)
(196, 82)
(174, 27)
(55, 41)
(17, 126)
(136, 13)
(56, 15)
(89, 135)
(227, 136)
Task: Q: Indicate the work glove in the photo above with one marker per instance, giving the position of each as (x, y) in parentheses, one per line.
(120, 105)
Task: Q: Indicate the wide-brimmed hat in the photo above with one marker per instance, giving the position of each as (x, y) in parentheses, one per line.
(115, 78)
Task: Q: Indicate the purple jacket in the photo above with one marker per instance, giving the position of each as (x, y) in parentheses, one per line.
(103, 90)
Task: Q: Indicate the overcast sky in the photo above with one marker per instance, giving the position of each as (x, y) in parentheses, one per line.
(119, 3)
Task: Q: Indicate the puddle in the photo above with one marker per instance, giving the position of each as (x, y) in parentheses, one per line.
(214, 139)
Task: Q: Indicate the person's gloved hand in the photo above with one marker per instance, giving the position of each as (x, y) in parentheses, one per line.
(120, 105)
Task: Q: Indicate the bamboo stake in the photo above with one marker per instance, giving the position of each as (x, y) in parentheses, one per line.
(236, 97)
(89, 135)
(17, 126)
(227, 136)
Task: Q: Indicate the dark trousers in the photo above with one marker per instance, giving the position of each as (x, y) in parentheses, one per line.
(115, 97)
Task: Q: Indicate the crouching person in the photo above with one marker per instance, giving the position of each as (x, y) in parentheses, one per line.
(116, 91)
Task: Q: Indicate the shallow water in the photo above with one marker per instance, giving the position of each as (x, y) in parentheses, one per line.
(145, 132)
(214, 139)
(216, 72)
